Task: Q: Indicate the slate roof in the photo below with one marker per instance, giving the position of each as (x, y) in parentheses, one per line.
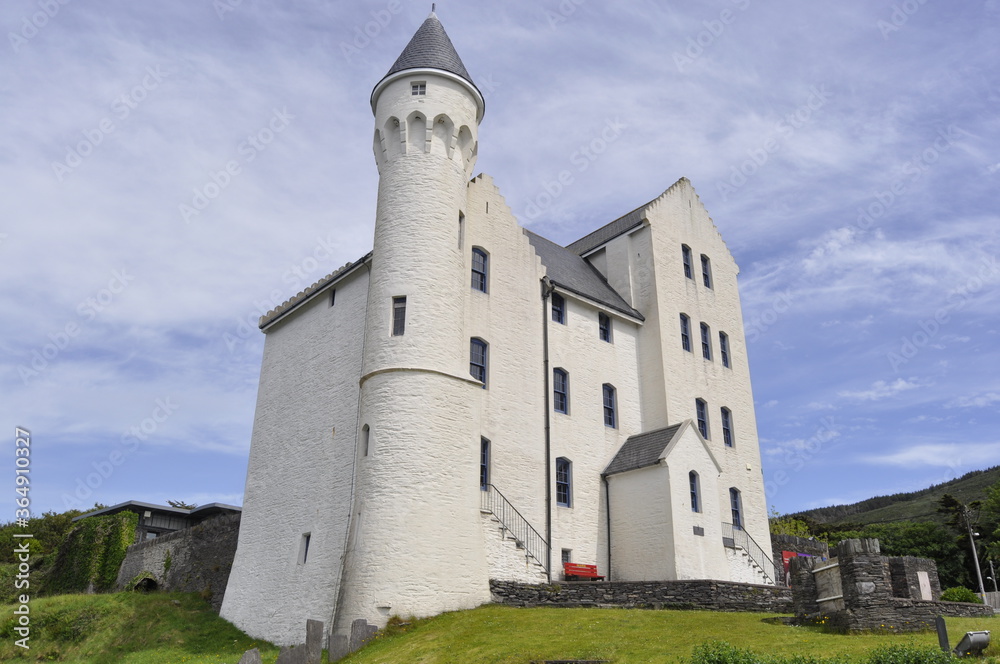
(303, 295)
(430, 48)
(612, 230)
(572, 273)
(641, 450)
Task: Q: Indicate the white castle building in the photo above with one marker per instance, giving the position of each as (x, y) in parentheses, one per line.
(471, 401)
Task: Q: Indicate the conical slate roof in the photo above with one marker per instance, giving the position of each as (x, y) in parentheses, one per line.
(430, 48)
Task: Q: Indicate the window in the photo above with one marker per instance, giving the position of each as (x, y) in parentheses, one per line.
(695, 492)
(604, 326)
(564, 479)
(304, 548)
(706, 342)
(479, 263)
(685, 332)
(365, 440)
(724, 348)
(560, 390)
(418, 89)
(727, 427)
(484, 464)
(736, 504)
(567, 555)
(333, 297)
(702, 409)
(686, 254)
(558, 309)
(477, 360)
(706, 271)
(610, 419)
(398, 316)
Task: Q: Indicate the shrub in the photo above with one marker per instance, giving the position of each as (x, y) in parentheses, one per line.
(960, 594)
(908, 655)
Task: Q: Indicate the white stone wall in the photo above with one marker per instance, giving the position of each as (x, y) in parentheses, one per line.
(506, 561)
(661, 291)
(641, 531)
(299, 473)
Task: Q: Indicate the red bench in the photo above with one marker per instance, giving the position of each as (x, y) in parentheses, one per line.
(573, 571)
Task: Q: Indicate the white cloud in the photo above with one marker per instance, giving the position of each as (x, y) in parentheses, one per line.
(942, 455)
(977, 401)
(881, 389)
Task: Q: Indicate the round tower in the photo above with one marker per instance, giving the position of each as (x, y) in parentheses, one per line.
(415, 545)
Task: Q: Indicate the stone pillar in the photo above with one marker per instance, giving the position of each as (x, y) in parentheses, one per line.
(865, 581)
(803, 586)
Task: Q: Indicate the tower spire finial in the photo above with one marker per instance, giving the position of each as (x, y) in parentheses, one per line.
(433, 5)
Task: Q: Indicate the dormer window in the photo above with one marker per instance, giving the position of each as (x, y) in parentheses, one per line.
(418, 89)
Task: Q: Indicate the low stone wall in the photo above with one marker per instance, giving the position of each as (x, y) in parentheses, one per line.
(196, 559)
(905, 615)
(699, 594)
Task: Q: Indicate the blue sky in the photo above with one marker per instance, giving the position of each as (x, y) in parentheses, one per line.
(172, 170)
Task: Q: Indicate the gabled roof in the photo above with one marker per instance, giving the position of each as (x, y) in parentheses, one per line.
(647, 448)
(642, 450)
(299, 298)
(620, 225)
(572, 273)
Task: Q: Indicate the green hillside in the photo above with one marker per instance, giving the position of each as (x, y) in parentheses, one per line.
(918, 506)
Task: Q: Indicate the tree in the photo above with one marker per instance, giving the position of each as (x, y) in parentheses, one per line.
(787, 525)
(962, 518)
(181, 505)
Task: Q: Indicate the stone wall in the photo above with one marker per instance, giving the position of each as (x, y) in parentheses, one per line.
(196, 559)
(700, 594)
(871, 586)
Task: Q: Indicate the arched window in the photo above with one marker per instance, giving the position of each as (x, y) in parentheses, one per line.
(686, 255)
(478, 352)
(706, 342)
(736, 505)
(479, 266)
(365, 440)
(610, 406)
(706, 271)
(724, 349)
(701, 408)
(685, 332)
(727, 427)
(695, 491)
(560, 390)
(564, 482)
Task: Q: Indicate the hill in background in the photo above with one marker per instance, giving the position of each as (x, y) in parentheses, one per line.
(916, 506)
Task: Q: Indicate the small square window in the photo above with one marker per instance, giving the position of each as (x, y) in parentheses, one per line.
(418, 89)
(567, 555)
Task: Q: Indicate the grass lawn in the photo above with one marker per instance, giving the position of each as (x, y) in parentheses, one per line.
(495, 634)
(177, 628)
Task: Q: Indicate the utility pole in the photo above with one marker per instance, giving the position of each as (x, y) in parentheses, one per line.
(972, 543)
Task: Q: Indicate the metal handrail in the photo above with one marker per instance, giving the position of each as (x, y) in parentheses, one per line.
(742, 539)
(524, 534)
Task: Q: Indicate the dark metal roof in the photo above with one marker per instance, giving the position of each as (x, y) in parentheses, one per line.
(430, 48)
(138, 506)
(572, 273)
(641, 450)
